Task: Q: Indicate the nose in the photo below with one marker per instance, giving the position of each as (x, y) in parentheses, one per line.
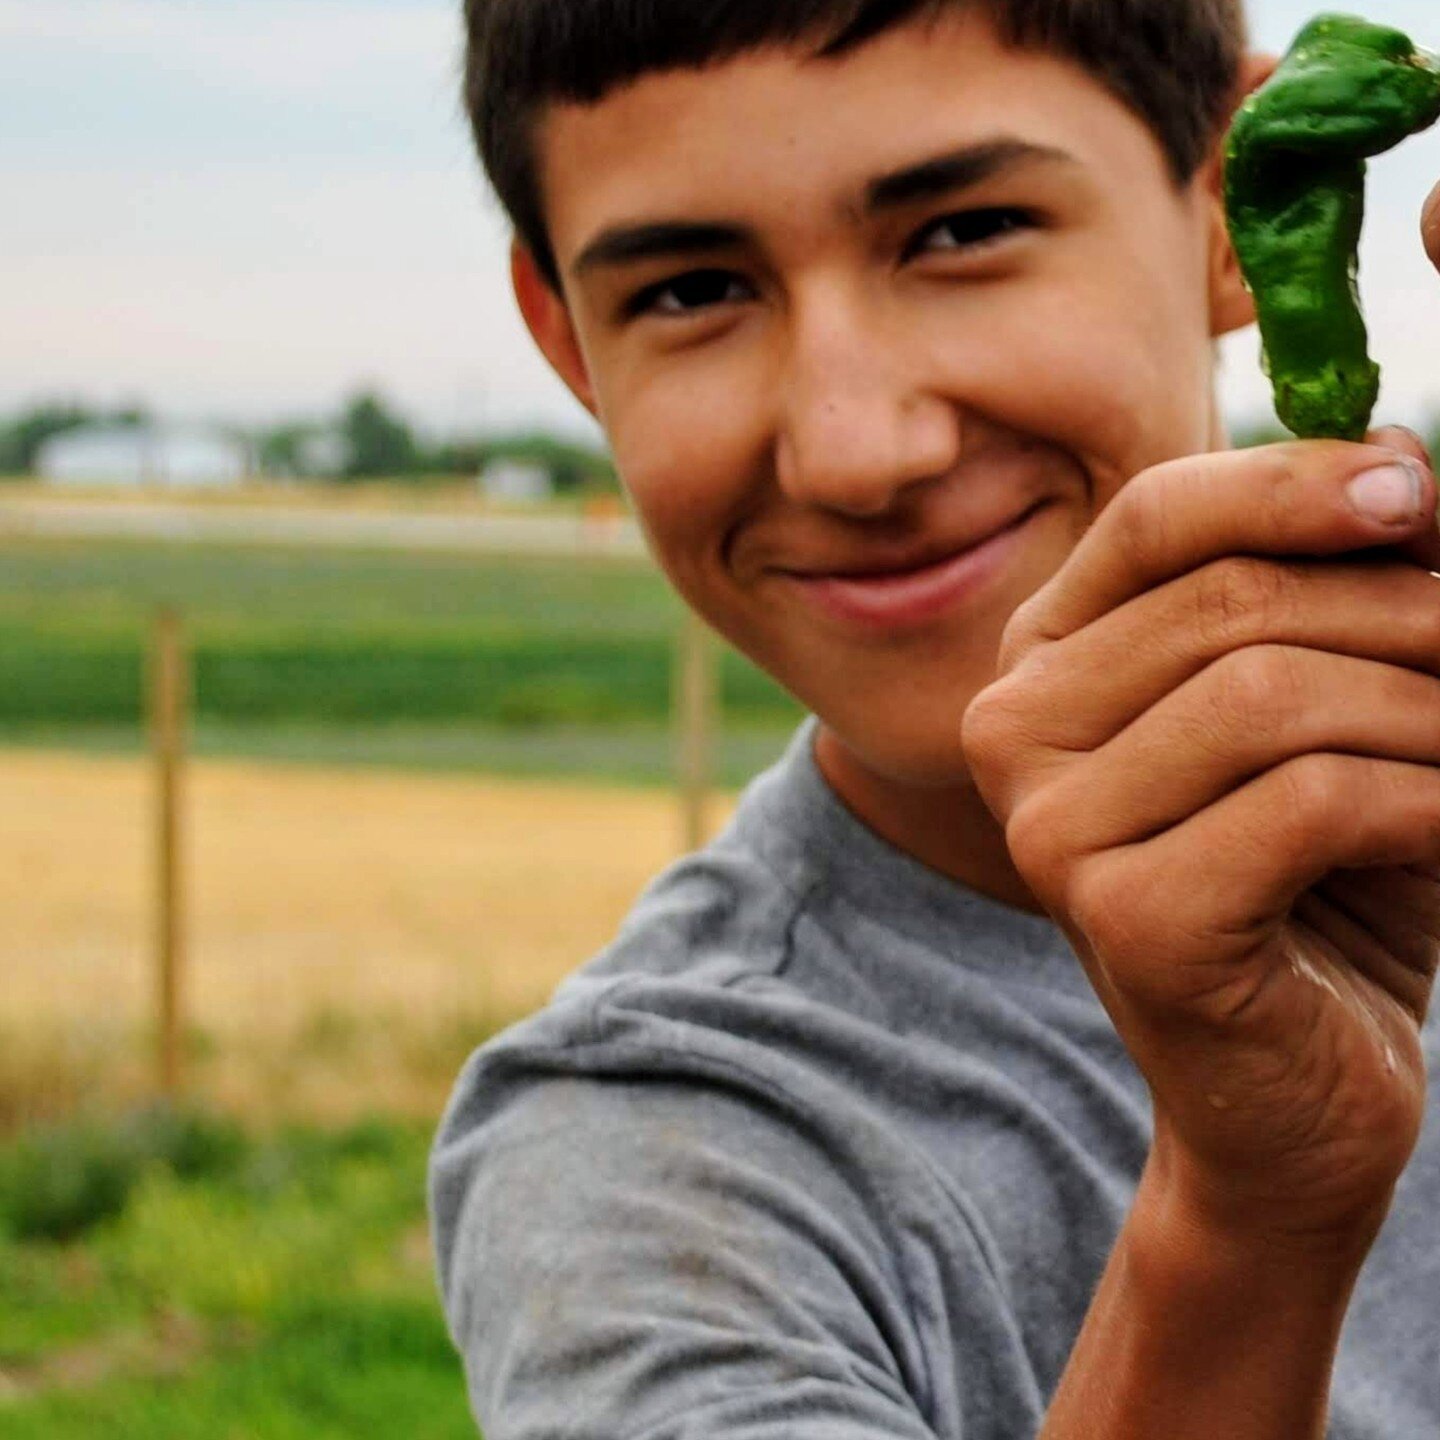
(857, 422)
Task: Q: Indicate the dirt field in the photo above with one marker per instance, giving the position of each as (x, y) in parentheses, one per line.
(351, 933)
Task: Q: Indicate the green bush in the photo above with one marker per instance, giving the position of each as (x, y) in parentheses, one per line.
(59, 1182)
(56, 1184)
(190, 1144)
(282, 1290)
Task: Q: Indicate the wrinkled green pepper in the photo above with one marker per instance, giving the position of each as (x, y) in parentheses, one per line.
(1295, 199)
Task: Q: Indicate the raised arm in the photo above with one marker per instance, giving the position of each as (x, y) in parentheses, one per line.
(1214, 745)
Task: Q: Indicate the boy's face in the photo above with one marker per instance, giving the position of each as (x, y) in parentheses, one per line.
(860, 314)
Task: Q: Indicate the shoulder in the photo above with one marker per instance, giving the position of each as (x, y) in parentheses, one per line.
(715, 981)
(651, 1202)
(712, 917)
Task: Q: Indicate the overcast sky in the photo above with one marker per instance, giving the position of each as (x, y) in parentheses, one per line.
(246, 208)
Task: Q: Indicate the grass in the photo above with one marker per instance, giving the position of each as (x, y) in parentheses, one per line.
(351, 934)
(258, 1287)
(284, 635)
(280, 1284)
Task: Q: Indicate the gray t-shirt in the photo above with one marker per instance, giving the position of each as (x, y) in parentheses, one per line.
(825, 1144)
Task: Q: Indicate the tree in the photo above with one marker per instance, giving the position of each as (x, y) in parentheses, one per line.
(378, 442)
(279, 449)
(22, 437)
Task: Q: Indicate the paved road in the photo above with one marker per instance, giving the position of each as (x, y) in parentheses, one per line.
(240, 524)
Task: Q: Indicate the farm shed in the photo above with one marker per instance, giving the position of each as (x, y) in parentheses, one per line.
(143, 455)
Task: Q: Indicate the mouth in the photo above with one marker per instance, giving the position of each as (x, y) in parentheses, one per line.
(887, 595)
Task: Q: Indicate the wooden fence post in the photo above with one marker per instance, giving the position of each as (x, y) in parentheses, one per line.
(169, 704)
(695, 705)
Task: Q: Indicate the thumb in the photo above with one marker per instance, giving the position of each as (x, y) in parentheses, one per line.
(1430, 227)
(1424, 548)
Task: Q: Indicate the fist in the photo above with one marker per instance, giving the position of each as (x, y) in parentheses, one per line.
(1213, 744)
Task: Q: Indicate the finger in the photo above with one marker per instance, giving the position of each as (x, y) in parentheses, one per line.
(1294, 499)
(1264, 845)
(1430, 227)
(1252, 710)
(1075, 695)
(1403, 439)
(1422, 548)
(1399, 906)
(1366, 949)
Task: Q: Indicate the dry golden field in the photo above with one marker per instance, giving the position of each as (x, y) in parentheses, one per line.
(351, 934)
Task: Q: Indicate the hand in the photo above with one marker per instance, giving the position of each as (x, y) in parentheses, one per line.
(1214, 746)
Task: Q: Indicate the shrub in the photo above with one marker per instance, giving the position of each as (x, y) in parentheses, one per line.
(61, 1181)
(57, 1183)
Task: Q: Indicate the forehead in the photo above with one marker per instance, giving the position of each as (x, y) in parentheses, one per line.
(783, 134)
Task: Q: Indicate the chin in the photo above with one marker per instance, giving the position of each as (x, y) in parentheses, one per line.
(921, 752)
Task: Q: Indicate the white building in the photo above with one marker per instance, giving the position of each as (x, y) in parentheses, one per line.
(166, 455)
(322, 453)
(515, 482)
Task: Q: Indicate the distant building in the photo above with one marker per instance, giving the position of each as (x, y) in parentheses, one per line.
(143, 455)
(322, 454)
(516, 481)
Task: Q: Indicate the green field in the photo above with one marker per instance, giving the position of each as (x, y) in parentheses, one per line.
(176, 1279)
(160, 1281)
(421, 659)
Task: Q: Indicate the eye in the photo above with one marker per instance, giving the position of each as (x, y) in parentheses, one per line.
(686, 294)
(969, 230)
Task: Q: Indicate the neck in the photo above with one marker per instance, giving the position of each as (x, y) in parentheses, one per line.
(947, 828)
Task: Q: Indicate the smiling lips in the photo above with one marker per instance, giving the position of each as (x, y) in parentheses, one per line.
(897, 599)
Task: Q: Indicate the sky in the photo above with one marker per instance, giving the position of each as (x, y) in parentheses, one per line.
(247, 209)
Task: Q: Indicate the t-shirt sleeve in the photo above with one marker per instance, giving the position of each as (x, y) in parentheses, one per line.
(637, 1257)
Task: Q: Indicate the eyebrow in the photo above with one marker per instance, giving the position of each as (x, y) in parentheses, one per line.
(959, 169)
(628, 244)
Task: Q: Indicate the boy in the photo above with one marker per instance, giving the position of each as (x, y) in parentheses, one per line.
(1039, 1049)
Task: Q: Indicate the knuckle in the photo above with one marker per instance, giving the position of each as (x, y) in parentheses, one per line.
(1035, 838)
(983, 731)
(1101, 899)
(994, 736)
(1315, 792)
(1256, 688)
(1146, 511)
(1239, 599)
(1273, 484)
(1123, 910)
(1275, 471)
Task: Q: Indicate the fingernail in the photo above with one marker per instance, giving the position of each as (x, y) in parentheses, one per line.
(1403, 430)
(1390, 494)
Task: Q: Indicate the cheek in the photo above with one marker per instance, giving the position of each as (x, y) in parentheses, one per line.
(1116, 375)
(688, 445)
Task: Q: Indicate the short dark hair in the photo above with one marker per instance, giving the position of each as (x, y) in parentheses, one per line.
(1175, 63)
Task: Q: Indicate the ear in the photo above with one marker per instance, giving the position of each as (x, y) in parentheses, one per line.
(548, 319)
(1231, 304)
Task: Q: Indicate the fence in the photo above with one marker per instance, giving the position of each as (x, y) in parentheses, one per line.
(695, 722)
(492, 753)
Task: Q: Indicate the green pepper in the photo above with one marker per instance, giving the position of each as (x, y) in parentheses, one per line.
(1295, 200)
